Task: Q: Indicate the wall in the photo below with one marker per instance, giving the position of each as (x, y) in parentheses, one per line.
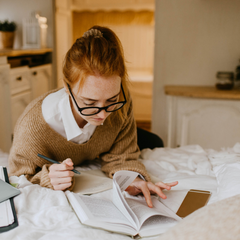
(135, 30)
(193, 40)
(16, 10)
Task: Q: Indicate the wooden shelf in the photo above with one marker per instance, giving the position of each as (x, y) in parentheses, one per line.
(22, 52)
(202, 92)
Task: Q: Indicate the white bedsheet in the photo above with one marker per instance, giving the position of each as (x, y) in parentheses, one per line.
(45, 214)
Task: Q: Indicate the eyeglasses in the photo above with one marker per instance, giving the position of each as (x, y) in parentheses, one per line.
(88, 111)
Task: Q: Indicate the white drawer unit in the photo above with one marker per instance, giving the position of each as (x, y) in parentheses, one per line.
(19, 80)
(210, 123)
(5, 106)
(18, 104)
(20, 88)
(203, 115)
(40, 76)
(27, 84)
(24, 75)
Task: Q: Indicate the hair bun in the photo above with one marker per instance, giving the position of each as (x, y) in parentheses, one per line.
(93, 32)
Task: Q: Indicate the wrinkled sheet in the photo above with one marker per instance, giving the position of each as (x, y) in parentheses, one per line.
(46, 214)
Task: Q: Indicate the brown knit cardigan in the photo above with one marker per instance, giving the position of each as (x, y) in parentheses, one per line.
(114, 143)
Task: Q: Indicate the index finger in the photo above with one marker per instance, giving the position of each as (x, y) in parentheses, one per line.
(65, 165)
(68, 161)
(166, 185)
(172, 184)
(147, 195)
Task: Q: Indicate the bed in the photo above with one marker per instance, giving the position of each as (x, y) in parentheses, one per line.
(46, 214)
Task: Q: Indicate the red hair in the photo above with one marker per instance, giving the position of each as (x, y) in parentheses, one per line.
(95, 54)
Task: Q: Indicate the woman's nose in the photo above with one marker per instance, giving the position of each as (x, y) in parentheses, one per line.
(103, 114)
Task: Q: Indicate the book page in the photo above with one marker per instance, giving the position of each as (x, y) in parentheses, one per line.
(6, 216)
(121, 180)
(2, 174)
(89, 182)
(119, 201)
(141, 209)
(124, 178)
(137, 208)
(174, 199)
(143, 212)
(156, 225)
(100, 213)
(96, 208)
(103, 209)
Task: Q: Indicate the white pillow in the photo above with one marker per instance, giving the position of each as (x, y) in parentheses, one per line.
(228, 178)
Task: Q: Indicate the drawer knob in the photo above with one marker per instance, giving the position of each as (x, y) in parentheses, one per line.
(19, 78)
(34, 73)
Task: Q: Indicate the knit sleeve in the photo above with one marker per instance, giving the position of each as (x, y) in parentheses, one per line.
(124, 152)
(29, 140)
(35, 170)
(21, 165)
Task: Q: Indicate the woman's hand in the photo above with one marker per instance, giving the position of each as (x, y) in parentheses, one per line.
(147, 188)
(61, 174)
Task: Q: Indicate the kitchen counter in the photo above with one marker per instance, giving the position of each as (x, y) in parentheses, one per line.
(22, 52)
(210, 92)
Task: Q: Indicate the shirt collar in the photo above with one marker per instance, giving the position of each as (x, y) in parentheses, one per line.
(70, 125)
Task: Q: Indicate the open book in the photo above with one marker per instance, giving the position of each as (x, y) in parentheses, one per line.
(124, 213)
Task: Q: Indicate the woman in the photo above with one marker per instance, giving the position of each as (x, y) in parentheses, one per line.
(90, 118)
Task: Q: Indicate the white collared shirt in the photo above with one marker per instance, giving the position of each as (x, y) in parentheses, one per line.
(56, 110)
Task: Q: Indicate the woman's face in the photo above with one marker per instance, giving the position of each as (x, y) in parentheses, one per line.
(97, 91)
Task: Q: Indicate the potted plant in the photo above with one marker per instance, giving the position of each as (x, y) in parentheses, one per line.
(7, 30)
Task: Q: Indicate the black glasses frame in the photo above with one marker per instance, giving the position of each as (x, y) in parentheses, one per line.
(99, 108)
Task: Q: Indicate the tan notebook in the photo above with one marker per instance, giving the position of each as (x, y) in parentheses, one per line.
(194, 200)
(92, 181)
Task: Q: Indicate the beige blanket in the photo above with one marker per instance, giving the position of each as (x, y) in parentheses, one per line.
(217, 221)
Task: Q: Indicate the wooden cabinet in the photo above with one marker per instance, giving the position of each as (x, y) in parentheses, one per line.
(20, 90)
(5, 106)
(39, 77)
(27, 84)
(18, 87)
(204, 116)
(18, 104)
(19, 80)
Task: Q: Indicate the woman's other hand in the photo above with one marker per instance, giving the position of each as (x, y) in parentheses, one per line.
(61, 174)
(147, 188)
